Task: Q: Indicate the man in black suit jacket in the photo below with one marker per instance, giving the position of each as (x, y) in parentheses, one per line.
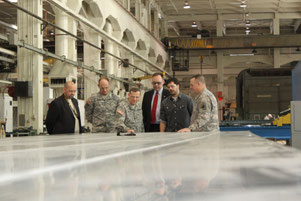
(151, 115)
(63, 115)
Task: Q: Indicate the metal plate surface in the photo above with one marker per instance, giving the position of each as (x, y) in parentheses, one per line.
(170, 166)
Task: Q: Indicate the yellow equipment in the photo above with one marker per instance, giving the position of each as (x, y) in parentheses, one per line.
(284, 119)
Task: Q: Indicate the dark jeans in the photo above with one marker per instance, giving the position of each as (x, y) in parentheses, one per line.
(154, 128)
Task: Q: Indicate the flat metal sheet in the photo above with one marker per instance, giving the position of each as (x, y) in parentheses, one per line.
(222, 166)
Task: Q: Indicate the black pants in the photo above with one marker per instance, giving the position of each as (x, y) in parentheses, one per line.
(154, 128)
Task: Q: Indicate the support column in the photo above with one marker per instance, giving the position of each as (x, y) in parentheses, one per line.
(156, 24)
(164, 28)
(30, 65)
(220, 80)
(276, 57)
(276, 26)
(128, 5)
(149, 16)
(109, 46)
(138, 9)
(91, 58)
(219, 28)
(276, 31)
(111, 63)
(65, 46)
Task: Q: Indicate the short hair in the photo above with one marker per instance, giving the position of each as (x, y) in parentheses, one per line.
(199, 78)
(68, 83)
(103, 78)
(134, 89)
(156, 74)
(174, 80)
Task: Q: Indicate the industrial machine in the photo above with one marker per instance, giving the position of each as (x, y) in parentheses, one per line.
(261, 92)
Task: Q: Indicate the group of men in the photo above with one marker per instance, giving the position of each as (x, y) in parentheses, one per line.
(163, 110)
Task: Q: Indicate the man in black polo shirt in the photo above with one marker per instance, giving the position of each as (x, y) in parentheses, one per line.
(176, 109)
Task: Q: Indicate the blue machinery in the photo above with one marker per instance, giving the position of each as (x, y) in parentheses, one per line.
(261, 129)
(270, 132)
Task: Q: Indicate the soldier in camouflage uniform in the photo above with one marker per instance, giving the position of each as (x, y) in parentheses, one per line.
(129, 113)
(101, 108)
(205, 111)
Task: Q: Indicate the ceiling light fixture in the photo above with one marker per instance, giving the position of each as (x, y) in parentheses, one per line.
(14, 26)
(193, 24)
(248, 23)
(243, 4)
(186, 5)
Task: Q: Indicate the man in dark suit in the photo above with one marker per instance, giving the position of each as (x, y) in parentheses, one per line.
(151, 104)
(63, 115)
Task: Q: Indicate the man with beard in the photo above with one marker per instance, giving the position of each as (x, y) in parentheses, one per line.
(176, 110)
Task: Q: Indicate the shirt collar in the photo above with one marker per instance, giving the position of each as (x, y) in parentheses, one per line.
(179, 97)
(200, 94)
(105, 97)
(130, 105)
(159, 92)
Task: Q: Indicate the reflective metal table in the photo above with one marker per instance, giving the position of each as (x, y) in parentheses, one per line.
(236, 166)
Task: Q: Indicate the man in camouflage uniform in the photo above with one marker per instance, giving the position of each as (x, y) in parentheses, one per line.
(101, 108)
(129, 113)
(205, 111)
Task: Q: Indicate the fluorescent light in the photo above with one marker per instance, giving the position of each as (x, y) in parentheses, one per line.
(248, 31)
(240, 55)
(186, 5)
(243, 5)
(194, 24)
(248, 23)
(14, 26)
(14, 1)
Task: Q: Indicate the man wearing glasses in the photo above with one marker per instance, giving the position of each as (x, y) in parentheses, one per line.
(151, 104)
(101, 108)
(176, 110)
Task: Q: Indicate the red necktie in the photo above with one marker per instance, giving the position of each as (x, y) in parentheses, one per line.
(155, 102)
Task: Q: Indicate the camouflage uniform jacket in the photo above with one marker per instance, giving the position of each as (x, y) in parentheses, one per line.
(130, 116)
(205, 113)
(101, 112)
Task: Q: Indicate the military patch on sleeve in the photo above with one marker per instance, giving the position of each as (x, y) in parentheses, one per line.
(120, 112)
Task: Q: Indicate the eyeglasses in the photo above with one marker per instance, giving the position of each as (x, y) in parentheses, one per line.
(158, 83)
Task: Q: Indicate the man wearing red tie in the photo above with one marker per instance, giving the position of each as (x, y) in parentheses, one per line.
(151, 104)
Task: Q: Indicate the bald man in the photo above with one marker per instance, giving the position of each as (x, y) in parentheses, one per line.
(101, 108)
(63, 116)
